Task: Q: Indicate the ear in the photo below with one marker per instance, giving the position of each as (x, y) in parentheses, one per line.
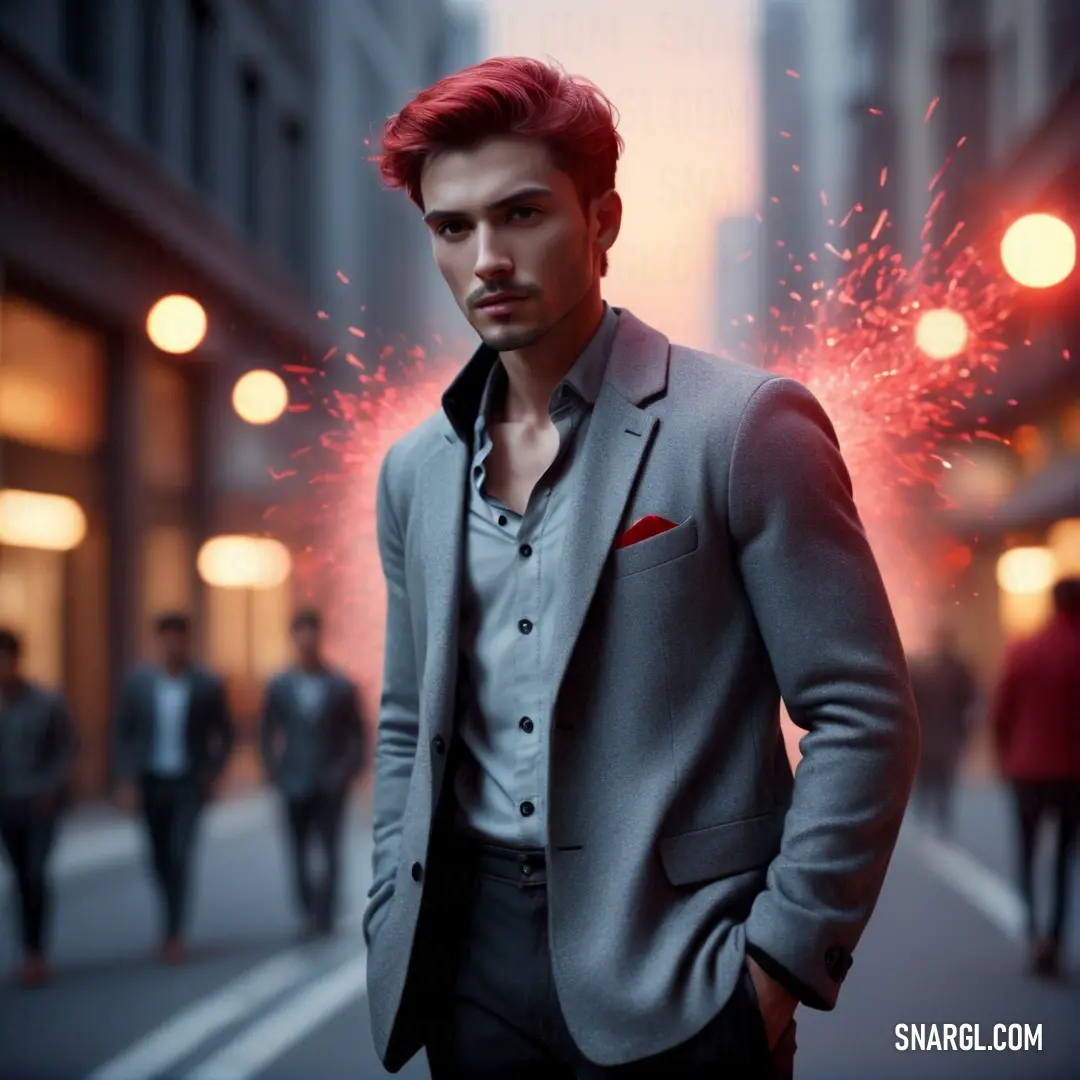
(607, 218)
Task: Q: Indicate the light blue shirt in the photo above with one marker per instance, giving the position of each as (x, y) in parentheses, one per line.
(172, 695)
(513, 575)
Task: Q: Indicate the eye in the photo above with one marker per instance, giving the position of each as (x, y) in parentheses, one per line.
(524, 213)
(447, 229)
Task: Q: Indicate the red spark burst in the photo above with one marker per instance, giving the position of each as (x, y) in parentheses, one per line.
(892, 406)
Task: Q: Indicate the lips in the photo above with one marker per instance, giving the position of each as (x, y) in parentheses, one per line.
(500, 303)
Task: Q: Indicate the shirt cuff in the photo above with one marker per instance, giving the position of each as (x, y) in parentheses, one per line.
(806, 995)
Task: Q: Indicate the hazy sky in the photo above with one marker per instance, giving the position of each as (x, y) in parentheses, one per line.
(683, 75)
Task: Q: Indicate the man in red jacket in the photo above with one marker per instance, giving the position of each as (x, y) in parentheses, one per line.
(1036, 723)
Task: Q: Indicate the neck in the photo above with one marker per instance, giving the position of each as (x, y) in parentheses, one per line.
(176, 667)
(310, 664)
(532, 374)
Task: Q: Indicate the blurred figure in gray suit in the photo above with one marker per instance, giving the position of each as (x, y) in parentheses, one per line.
(172, 739)
(313, 746)
(37, 751)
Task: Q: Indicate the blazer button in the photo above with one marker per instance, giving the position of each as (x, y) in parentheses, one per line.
(417, 871)
(438, 743)
(527, 809)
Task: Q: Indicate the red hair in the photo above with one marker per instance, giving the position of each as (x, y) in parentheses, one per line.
(506, 96)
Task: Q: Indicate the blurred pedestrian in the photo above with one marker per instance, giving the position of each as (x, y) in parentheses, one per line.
(37, 752)
(945, 694)
(173, 737)
(313, 745)
(1035, 717)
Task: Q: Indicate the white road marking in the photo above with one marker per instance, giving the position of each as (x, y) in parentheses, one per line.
(271, 1037)
(186, 1032)
(982, 888)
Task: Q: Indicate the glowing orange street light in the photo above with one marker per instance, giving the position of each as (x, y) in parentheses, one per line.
(260, 397)
(941, 334)
(176, 324)
(1038, 251)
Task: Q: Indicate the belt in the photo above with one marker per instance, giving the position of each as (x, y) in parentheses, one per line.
(519, 866)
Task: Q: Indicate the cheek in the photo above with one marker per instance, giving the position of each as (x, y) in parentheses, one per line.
(456, 267)
(563, 260)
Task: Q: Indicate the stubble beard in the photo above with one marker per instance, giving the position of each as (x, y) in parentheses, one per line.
(513, 339)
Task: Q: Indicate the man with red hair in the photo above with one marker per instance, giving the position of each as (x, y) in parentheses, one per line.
(607, 559)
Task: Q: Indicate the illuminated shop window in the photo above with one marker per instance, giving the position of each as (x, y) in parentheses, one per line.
(52, 380)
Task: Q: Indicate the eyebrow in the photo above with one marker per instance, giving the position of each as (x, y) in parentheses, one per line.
(535, 192)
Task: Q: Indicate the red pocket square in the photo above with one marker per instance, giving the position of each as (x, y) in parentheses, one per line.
(644, 528)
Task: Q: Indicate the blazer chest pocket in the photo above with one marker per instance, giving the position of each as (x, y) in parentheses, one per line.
(720, 851)
(657, 550)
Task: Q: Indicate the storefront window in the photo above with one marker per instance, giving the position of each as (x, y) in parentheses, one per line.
(164, 426)
(167, 559)
(32, 605)
(52, 380)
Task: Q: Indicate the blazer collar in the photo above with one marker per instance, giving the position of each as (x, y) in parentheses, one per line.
(636, 369)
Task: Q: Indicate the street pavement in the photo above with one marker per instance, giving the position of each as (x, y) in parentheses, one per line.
(944, 947)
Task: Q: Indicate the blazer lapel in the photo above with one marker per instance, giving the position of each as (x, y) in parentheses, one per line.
(617, 441)
(442, 505)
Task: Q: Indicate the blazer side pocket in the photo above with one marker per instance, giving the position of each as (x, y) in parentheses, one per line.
(657, 550)
(719, 851)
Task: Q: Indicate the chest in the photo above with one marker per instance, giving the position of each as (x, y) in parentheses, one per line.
(520, 455)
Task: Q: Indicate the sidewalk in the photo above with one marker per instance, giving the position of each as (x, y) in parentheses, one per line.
(979, 858)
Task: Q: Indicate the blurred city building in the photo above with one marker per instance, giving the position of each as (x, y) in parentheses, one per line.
(806, 153)
(158, 147)
(1019, 506)
(738, 288)
(892, 93)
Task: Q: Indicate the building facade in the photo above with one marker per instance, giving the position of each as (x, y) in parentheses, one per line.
(154, 147)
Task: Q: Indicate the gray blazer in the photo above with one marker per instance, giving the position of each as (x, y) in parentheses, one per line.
(678, 837)
(43, 745)
(209, 732)
(304, 757)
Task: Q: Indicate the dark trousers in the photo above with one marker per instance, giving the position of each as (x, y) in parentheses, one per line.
(315, 822)
(171, 809)
(497, 1014)
(1037, 800)
(28, 839)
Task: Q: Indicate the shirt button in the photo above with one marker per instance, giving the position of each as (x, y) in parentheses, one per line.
(526, 724)
(438, 743)
(525, 550)
(417, 871)
(527, 809)
(502, 519)
(525, 626)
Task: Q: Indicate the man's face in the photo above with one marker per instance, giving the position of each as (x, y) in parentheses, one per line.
(174, 648)
(306, 641)
(503, 219)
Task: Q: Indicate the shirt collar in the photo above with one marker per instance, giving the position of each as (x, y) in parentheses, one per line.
(584, 378)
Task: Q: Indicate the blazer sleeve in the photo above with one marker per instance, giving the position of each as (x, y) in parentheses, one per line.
(63, 747)
(399, 703)
(220, 728)
(355, 730)
(125, 762)
(826, 622)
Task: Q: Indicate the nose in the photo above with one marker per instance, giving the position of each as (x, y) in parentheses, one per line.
(492, 258)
